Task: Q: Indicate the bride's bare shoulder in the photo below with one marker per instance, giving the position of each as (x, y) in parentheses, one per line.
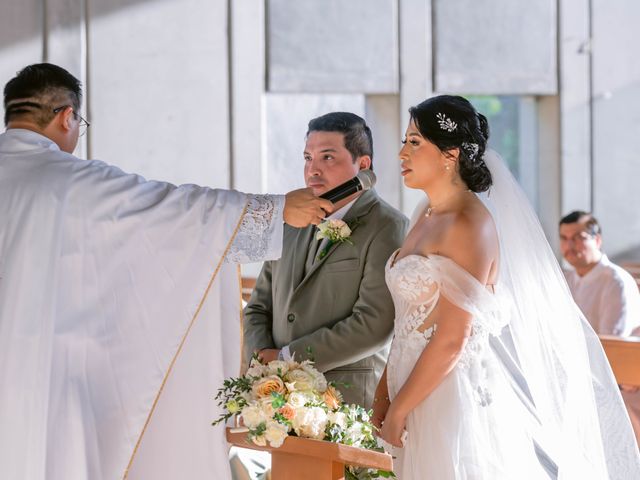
(472, 241)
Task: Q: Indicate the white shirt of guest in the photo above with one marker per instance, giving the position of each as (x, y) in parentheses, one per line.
(608, 296)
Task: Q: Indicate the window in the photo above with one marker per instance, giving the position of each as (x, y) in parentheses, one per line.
(513, 134)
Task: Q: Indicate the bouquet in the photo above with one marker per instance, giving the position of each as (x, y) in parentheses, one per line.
(285, 398)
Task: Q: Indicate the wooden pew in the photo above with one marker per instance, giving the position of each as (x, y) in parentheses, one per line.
(624, 356)
(247, 287)
(634, 270)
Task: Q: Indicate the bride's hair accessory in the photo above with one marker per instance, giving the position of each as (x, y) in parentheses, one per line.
(471, 150)
(446, 123)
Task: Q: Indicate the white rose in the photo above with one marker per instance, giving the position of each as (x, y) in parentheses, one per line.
(322, 230)
(275, 365)
(267, 407)
(256, 369)
(310, 422)
(319, 380)
(354, 434)
(260, 441)
(252, 415)
(297, 399)
(345, 231)
(320, 383)
(303, 381)
(275, 434)
(339, 418)
(290, 386)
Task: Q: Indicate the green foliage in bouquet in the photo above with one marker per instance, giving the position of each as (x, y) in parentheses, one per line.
(285, 398)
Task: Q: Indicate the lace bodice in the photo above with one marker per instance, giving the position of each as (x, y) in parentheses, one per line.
(416, 283)
(254, 236)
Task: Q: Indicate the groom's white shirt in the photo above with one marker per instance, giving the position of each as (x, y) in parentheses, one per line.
(101, 272)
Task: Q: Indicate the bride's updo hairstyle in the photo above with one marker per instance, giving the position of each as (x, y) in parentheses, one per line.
(450, 122)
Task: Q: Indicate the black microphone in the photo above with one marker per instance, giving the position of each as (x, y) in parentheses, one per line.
(363, 181)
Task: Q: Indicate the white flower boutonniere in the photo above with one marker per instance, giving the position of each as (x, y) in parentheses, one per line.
(336, 231)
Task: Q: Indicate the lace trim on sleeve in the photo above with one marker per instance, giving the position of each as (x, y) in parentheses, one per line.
(252, 241)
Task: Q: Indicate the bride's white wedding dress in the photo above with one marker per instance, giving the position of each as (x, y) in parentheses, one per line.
(462, 430)
(532, 396)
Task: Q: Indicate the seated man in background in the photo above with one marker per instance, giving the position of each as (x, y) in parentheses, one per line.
(605, 292)
(329, 301)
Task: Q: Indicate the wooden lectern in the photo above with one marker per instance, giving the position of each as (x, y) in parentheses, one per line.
(303, 458)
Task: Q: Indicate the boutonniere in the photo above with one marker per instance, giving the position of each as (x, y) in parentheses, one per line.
(336, 231)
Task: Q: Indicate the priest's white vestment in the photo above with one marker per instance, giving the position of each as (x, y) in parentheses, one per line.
(119, 315)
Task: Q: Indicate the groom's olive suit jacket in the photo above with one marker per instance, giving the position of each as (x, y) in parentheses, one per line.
(336, 309)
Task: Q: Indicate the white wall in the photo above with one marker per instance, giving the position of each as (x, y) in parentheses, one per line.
(220, 92)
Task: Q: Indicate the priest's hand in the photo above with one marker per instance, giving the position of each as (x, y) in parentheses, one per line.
(302, 207)
(268, 354)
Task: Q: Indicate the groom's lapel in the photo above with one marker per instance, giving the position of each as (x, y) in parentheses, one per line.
(300, 251)
(354, 216)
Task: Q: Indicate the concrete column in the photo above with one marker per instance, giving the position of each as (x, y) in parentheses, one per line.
(67, 47)
(415, 72)
(383, 117)
(21, 37)
(616, 126)
(574, 50)
(549, 167)
(248, 132)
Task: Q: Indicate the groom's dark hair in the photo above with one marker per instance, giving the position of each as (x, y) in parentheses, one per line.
(357, 135)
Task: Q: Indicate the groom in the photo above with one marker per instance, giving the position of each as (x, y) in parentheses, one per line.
(329, 301)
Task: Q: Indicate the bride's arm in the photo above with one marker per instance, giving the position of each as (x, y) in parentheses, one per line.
(472, 249)
(380, 401)
(436, 361)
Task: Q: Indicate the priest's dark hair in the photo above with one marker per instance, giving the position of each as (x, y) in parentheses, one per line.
(357, 135)
(450, 121)
(37, 90)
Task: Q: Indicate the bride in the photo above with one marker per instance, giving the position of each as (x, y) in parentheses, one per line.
(493, 372)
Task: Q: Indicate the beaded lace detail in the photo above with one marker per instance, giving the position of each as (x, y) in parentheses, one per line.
(252, 241)
(416, 283)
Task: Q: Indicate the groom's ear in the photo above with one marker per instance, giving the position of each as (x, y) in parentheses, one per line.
(364, 162)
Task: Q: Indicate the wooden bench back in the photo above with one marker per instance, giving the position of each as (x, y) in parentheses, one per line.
(634, 270)
(247, 287)
(624, 356)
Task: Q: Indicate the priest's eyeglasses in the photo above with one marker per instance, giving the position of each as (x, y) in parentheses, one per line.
(83, 123)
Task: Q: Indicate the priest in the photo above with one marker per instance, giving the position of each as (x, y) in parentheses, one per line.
(119, 300)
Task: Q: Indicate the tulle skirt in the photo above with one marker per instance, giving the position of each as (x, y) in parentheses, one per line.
(471, 427)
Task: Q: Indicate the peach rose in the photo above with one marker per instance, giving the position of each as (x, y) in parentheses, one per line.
(287, 411)
(332, 397)
(267, 385)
